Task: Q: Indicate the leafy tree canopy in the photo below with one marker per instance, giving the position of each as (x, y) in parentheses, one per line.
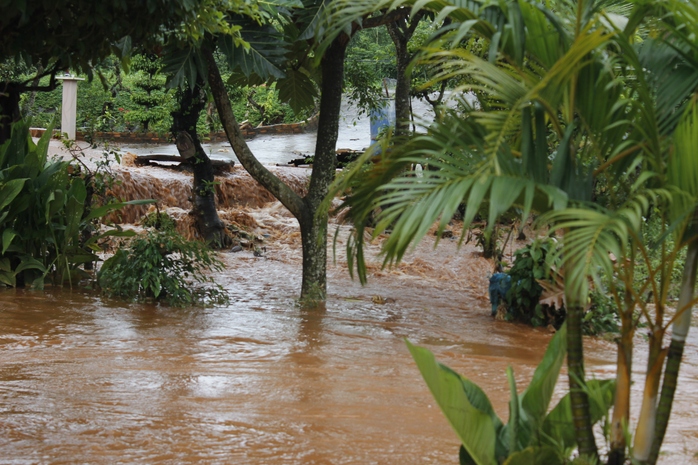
(79, 33)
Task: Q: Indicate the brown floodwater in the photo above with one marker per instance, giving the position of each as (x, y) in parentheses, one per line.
(85, 379)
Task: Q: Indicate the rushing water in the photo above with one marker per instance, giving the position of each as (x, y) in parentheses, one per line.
(85, 379)
(354, 133)
(89, 380)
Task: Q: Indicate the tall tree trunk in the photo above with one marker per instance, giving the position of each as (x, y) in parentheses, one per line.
(621, 406)
(184, 119)
(313, 222)
(624, 363)
(644, 433)
(401, 32)
(581, 415)
(678, 340)
(307, 210)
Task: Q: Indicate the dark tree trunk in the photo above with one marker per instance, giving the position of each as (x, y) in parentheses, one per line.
(579, 399)
(313, 222)
(9, 108)
(401, 31)
(184, 119)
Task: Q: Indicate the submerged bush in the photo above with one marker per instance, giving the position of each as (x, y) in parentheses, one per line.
(163, 266)
(529, 302)
(530, 266)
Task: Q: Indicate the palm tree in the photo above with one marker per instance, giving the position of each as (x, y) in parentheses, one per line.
(568, 102)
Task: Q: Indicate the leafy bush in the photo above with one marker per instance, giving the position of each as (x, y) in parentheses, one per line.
(159, 220)
(602, 315)
(46, 216)
(530, 265)
(163, 266)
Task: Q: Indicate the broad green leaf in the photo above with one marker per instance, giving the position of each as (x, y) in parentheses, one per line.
(536, 399)
(558, 427)
(8, 278)
(514, 417)
(75, 206)
(463, 403)
(264, 56)
(534, 455)
(297, 89)
(7, 236)
(29, 263)
(10, 190)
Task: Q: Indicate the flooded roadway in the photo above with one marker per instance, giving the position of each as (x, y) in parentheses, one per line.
(89, 380)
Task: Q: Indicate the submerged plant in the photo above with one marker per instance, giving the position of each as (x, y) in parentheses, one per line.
(533, 434)
(161, 265)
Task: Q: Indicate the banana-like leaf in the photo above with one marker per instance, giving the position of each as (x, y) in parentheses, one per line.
(182, 66)
(10, 190)
(8, 236)
(514, 414)
(558, 427)
(74, 208)
(466, 407)
(683, 164)
(535, 401)
(297, 89)
(264, 55)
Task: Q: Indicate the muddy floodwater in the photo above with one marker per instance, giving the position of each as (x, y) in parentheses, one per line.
(88, 380)
(95, 381)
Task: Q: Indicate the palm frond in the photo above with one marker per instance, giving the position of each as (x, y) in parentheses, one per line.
(593, 236)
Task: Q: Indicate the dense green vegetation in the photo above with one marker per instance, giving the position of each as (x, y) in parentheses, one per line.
(588, 120)
(161, 265)
(140, 101)
(50, 212)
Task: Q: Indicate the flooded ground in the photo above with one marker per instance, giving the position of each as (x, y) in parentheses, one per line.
(89, 380)
(85, 379)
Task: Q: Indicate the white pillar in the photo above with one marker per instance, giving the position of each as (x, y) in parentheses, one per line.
(70, 104)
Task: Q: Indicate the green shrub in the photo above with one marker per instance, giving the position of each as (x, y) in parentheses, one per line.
(163, 266)
(46, 214)
(530, 265)
(159, 220)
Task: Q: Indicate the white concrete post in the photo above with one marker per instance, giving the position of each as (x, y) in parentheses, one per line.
(70, 104)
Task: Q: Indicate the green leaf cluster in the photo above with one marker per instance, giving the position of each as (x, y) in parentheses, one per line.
(45, 215)
(162, 266)
(533, 434)
(530, 265)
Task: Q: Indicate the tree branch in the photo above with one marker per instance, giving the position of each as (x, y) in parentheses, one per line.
(391, 17)
(259, 172)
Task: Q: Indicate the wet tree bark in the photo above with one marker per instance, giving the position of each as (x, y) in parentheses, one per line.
(314, 222)
(184, 119)
(307, 210)
(401, 31)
